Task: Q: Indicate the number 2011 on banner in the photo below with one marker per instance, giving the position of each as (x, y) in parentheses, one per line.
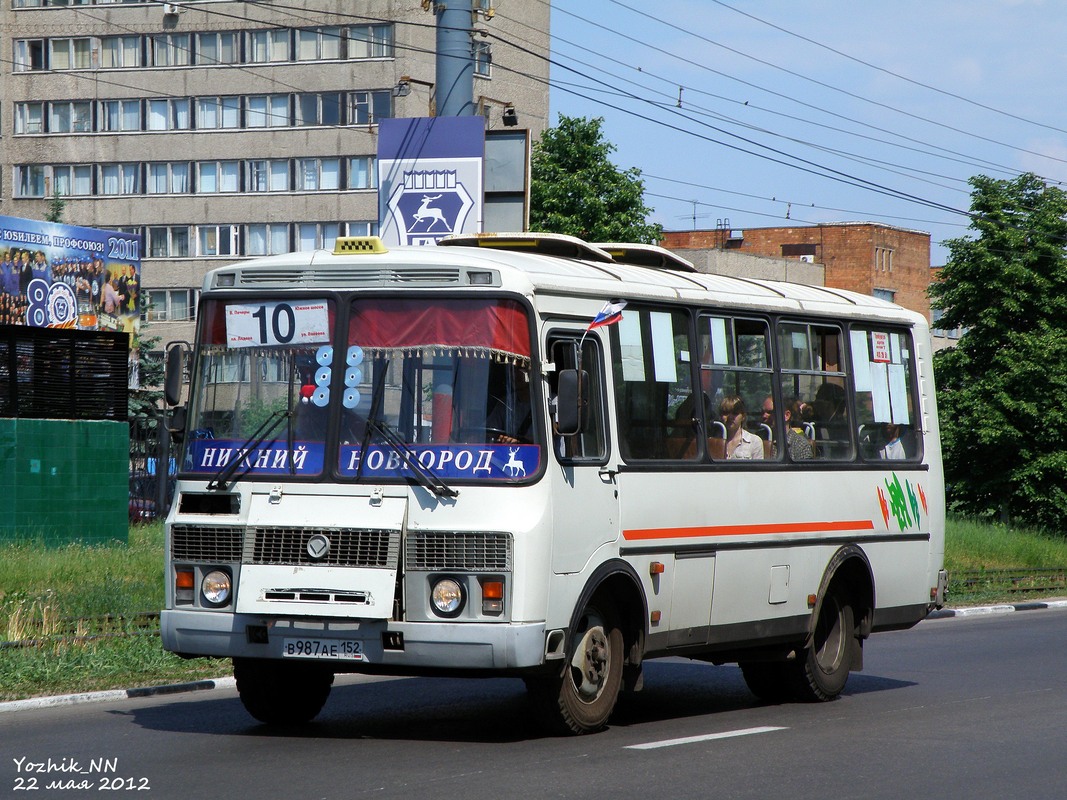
(267, 324)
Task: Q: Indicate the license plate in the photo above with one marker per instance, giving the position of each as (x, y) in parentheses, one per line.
(341, 649)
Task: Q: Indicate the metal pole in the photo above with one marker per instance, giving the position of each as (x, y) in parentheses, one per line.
(455, 59)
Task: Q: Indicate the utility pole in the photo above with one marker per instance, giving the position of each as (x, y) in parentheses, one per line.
(455, 59)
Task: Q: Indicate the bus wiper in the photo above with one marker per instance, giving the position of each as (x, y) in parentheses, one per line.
(426, 477)
(222, 478)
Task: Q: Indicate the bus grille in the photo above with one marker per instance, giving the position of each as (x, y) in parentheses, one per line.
(206, 543)
(349, 547)
(471, 552)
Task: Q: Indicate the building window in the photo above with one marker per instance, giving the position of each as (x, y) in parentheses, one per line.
(218, 112)
(216, 48)
(483, 59)
(29, 118)
(120, 115)
(70, 117)
(170, 241)
(883, 259)
(265, 46)
(171, 50)
(317, 44)
(29, 180)
(362, 172)
(885, 294)
(72, 180)
(267, 240)
(369, 107)
(268, 175)
(370, 41)
(29, 55)
(216, 240)
(116, 179)
(267, 111)
(214, 177)
(318, 174)
(169, 114)
(318, 109)
(168, 178)
(170, 305)
(315, 236)
(362, 228)
(71, 53)
(120, 51)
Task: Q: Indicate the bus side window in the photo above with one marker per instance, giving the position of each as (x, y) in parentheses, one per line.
(884, 370)
(590, 443)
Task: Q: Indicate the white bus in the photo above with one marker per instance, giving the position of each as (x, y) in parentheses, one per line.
(528, 456)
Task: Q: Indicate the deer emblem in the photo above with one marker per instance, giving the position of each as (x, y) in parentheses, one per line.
(514, 467)
(424, 211)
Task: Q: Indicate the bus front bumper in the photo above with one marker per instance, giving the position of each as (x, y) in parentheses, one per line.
(354, 644)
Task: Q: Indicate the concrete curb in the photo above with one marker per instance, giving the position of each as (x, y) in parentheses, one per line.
(115, 694)
(986, 611)
(229, 683)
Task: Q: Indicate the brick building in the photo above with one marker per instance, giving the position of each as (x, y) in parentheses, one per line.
(866, 257)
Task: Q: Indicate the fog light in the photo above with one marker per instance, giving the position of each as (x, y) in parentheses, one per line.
(447, 597)
(215, 588)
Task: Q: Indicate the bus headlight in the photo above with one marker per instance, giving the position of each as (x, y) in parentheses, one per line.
(215, 588)
(447, 597)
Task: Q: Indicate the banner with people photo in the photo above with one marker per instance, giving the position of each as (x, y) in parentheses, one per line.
(64, 276)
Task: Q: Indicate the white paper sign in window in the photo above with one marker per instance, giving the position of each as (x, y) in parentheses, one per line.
(295, 323)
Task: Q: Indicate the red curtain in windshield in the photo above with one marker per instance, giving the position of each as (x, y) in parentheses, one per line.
(499, 326)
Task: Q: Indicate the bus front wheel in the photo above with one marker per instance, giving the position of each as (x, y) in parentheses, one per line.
(822, 668)
(278, 693)
(582, 696)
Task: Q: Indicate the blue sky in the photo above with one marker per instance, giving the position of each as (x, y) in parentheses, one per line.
(821, 110)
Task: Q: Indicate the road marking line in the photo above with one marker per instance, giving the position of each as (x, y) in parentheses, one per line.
(706, 737)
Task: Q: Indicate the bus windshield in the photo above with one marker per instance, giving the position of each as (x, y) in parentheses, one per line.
(364, 391)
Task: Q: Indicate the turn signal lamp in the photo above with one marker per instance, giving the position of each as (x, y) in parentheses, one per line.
(656, 568)
(184, 581)
(492, 596)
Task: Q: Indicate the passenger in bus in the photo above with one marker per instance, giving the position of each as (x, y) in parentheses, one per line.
(893, 449)
(797, 444)
(740, 444)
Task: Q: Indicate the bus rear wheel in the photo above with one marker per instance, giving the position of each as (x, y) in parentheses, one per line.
(770, 681)
(582, 696)
(278, 693)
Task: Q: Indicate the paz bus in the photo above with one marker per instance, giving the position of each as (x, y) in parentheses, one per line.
(527, 455)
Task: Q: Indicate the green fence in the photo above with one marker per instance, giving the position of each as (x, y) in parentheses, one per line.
(64, 481)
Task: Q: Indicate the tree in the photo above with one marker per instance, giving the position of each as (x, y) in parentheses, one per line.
(576, 190)
(147, 396)
(1002, 390)
(56, 206)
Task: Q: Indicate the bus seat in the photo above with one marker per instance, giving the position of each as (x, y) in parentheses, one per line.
(717, 448)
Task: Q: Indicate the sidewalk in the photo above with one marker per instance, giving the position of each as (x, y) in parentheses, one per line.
(229, 683)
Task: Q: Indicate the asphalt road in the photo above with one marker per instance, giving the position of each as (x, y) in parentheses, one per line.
(955, 708)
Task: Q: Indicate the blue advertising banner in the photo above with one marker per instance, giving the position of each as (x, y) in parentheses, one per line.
(430, 180)
(64, 276)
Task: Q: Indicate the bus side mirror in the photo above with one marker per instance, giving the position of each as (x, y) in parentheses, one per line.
(571, 401)
(172, 381)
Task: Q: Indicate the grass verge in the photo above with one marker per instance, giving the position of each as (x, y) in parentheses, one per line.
(50, 593)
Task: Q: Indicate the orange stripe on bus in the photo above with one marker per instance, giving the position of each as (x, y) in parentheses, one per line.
(749, 530)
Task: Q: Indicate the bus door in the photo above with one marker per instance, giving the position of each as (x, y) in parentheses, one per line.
(584, 497)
